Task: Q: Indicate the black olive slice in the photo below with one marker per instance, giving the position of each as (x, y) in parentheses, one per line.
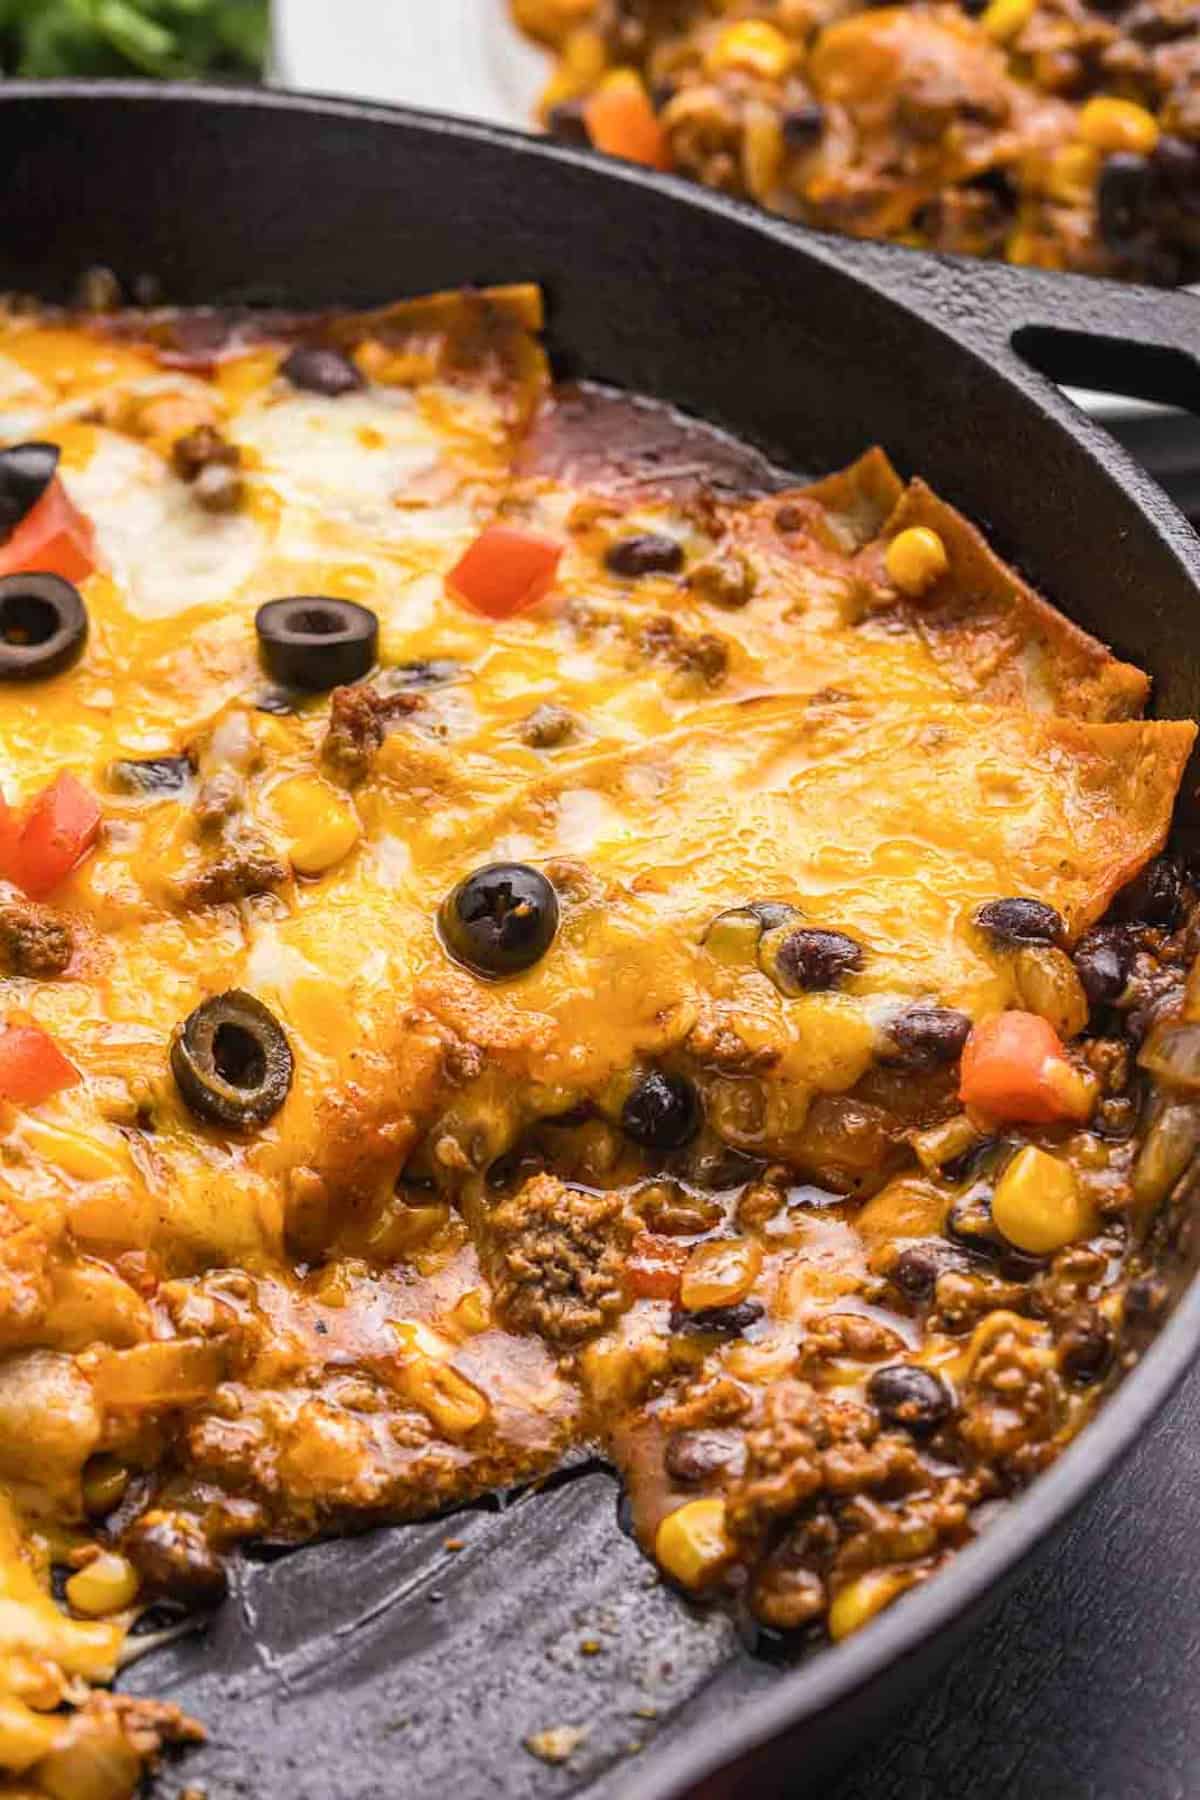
(43, 626)
(500, 920)
(319, 371)
(151, 775)
(231, 1061)
(26, 471)
(315, 643)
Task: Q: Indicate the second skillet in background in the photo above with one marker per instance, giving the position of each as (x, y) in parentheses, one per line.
(467, 57)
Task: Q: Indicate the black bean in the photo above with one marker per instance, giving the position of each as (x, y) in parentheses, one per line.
(649, 553)
(727, 1321)
(432, 671)
(1086, 1349)
(663, 1112)
(1176, 164)
(926, 1036)
(803, 125)
(1146, 1300)
(970, 1221)
(1122, 198)
(151, 775)
(691, 1457)
(566, 124)
(806, 961)
(1020, 921)
(321, 371)
(912, 1398)
(278, 700)
(1153, 896)
(1103, 958)
(918, 1266)
(173, 1557)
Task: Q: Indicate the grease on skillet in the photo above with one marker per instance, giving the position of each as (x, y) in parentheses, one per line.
(690, 998)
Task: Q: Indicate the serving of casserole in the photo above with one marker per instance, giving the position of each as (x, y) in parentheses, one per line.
(1057, 134)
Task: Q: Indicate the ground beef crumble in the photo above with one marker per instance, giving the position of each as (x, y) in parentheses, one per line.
(557, 1254)
(34, 940)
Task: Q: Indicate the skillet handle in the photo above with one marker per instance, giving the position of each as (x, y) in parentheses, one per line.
(1141, 342)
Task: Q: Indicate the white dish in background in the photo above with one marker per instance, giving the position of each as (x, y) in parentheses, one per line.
(467, 57)
(457, 56)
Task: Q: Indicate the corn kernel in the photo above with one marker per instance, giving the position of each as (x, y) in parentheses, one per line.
(1109, 124)
(472, 1312)
(763, 149)
(1071, 176)
(455, 1404)
(1024, 249)
(1075, 1089)
(549, 19)
(752, 45)
(858, 1602)
(915, 559)
(107, 1584)
(720, 1273)
(320, 824)
(692, 1544)
(1004, 19)
(25, 1736)
(584, 57)
(33, 1678)
(75, 1152)
(1037, 1204)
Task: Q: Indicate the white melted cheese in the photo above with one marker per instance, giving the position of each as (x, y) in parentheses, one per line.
(166, 553)
(355, 455)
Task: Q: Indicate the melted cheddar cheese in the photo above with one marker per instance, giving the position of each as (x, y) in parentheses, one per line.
(442, 1262)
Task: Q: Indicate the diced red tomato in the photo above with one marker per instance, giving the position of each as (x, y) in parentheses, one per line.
(655, 1266)
(32, 1067)
(54, 538)
(10, 832)
(621, 121)
(1014, 1066)
(59, 830)
(506, 570)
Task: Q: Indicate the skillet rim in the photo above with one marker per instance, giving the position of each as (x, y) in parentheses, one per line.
(839, 1673)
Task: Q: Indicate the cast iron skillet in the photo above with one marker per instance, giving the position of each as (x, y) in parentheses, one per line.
(387, 1665)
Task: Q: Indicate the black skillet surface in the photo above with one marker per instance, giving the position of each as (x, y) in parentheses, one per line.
(389, 1665)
